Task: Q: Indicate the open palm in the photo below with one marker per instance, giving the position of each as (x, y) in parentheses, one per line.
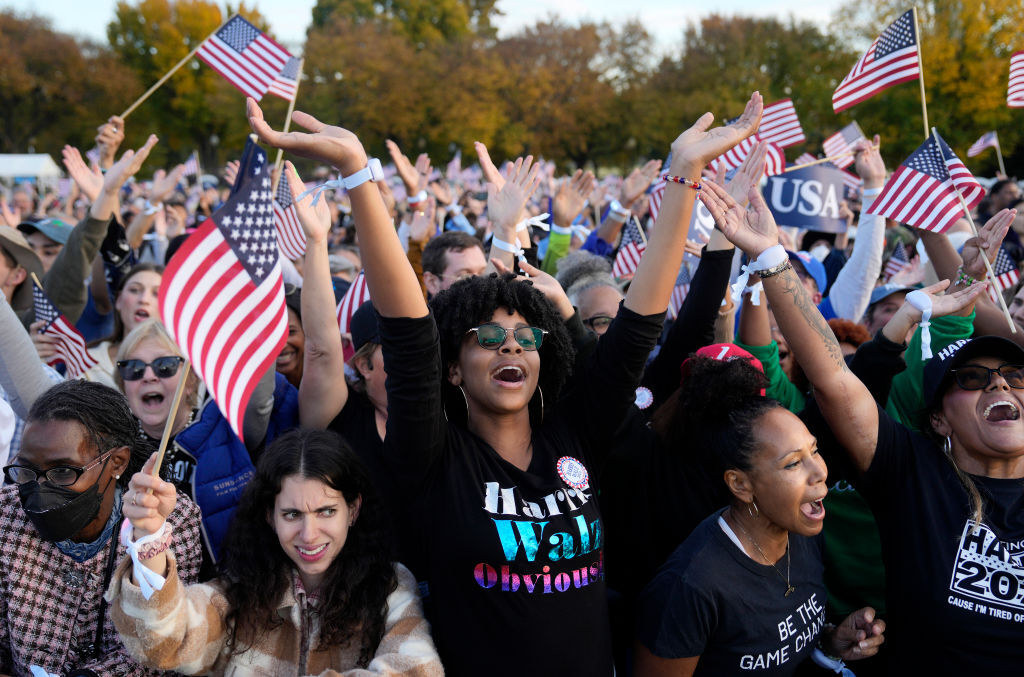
(326, 143)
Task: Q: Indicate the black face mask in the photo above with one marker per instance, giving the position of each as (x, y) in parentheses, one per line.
(57, 512)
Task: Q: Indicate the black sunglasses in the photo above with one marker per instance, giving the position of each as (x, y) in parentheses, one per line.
(61, 475)
(163, 367)
(976, 377)
(493, 336)
(598, 322)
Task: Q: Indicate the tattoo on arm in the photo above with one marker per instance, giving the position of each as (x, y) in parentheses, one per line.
(792, 286)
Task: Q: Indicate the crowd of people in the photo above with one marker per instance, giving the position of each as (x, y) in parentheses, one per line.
(516, 460)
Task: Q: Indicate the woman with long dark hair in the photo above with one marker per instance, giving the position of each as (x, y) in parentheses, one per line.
(305, 582)
(500, 492)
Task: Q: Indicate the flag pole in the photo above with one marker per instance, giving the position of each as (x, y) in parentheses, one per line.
(984, 257)
(279, 160)
(823, 160)
(920, 68)
(999, 155)
(168, 74)
(169, 425)
(640, 229)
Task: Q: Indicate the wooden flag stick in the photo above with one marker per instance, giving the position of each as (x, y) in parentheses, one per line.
(823, 160)
(279, 160)
(640, 229)
(999, 156)
(169, 425)
(920, 77)
(168, 74)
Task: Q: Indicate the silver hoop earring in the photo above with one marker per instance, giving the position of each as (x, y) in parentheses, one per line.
(465, 400)
(947, 446)
(755, 510)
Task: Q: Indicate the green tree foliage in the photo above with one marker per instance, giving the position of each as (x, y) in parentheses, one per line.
(423, 22)
(51, 86)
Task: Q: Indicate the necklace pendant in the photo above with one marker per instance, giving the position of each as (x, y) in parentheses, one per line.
(789, 590)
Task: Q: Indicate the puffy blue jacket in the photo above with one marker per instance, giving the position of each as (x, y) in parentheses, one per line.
(223, 465)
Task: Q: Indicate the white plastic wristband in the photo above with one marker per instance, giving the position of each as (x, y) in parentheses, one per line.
(769, 258)
(871, 192)
(513, 249)
(371, 172)
(533, 221)
(755, 293)
(618, 211)
(561, 230)
(151, 208)
(149, 581)
(418, 198)
(923, 302)
(836, 666)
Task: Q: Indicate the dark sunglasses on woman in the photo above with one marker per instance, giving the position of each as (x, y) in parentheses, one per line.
(976, 377)
(493, 336)
(163, 367)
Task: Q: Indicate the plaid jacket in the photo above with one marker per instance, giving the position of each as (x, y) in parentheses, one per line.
(49, 604)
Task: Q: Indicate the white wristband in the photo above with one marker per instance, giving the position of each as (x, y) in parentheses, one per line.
(418, 198)
(835, 665)
(533, 221)
(151, 208)
(149, 581)
(871, 192)
(769, 258)
(513, 249)
(618, 211)
(755, 293)
(560, 230)
(923, 302)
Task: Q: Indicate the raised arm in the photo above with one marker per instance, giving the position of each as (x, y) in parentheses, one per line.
(566, 205)
(505, 205)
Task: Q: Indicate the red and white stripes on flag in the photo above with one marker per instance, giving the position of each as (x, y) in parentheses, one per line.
(804, 159)
(780, 125)
(679, 292)
(70, 346)
(246, 57)
(286, 84)
(987, 140)
(891, 59)
(630, 250)
(923, 191)
(1015, 88)
(842, 142)
(290, 236)
(1006, 275)
(774, 161)
(897, 261)
(191, 165)
(222, 295)
(657, 188)
(358, 294)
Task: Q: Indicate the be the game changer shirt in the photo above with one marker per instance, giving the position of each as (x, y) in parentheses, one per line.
(514, 559)
(955, 588)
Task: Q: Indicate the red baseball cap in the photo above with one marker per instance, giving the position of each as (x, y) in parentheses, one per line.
(723, 352)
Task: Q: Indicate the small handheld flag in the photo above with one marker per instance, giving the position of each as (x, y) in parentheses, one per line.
(70, 346)
(890, 60)
(246, 57)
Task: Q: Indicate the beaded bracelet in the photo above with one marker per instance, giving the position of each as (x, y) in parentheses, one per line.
(964, 278)
(770, 272)
(681, 180)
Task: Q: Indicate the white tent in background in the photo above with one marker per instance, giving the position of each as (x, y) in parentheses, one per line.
(38, 167)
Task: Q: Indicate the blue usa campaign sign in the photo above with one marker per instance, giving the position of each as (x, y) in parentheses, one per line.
(807, 198)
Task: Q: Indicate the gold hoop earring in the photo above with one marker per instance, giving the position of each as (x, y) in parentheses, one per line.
(751, 513)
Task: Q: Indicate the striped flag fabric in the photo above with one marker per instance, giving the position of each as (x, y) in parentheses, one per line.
(851, 182)
(842, 142)
(656, 191)
(244, 56)
(897, 261)
(1006, 275)
(358, 294)
(679, 292)
(222, 294)
(1015, 88)
(70, 346)
(774, 162)
(780, 125)
(286, 83)
(290, 236)
(630, 250)
(191, 165)
(987, 140)
(804, 158)
(923, 191)
(891, 59)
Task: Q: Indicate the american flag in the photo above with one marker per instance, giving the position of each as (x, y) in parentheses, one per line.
(247, 58)
(1006, 274)
(679, 292)
(780, 125)
(358, 294)
(923, 191)
(891, 59)
(842, 142)
(290, 236)
(222, 296)
(1015, 89)
(804, 159)
(70, 347)
(987, 140)
(897, 261)
(774, 162)
(657, 189)
(630, 250)
(93, 155)
(286, 84)
(191, 165)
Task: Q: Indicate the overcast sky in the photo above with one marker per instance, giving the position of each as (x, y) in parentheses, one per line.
(665, 19)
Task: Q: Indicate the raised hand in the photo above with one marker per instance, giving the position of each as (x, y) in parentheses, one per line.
(749, 174)
(505, 205)
(164, 183)
(332, 145)
(546, 284)
(89, 180)
(636, 183)
(491, 173)
(109, 137)
(990, 237)
(860, 635)
(868, 162)
(570, 197)
(753, 230)
(46, 345)
(148, 511)
(10, 215)
(699, 145)
(423, 224)
(130, 163)
(423, 169)
(442, 191)
(314, 219)
(231, 171)
(408, 173)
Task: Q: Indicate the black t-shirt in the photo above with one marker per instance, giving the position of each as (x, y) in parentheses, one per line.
(514, 559)
(955, 598)
(712, 600)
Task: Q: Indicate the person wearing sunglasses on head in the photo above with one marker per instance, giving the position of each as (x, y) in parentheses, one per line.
(496, 465)
(60, 517)
(947, 500)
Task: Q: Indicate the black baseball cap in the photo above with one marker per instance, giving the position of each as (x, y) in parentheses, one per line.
(363, 326)
(938, 372)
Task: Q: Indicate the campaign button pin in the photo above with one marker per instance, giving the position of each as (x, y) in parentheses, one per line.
(644, 398)
(572, 472)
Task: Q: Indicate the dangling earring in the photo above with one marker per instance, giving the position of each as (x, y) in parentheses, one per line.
(947, 446)
(751, 513)
(540, 391)
(465, 400)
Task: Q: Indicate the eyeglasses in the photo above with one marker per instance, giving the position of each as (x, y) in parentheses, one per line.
(493, 336)
(598, 322)
(976, 377)
(163, 367)
(61, 475)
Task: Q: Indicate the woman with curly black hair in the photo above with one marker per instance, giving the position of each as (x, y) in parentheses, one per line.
(305, 585)
(497, 480)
